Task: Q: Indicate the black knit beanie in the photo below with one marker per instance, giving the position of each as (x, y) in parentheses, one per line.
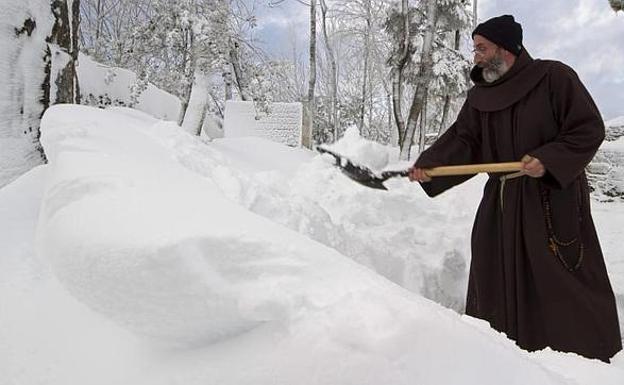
(503, 31)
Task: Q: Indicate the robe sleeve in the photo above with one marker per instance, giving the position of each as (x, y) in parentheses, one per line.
(460, 144)
(580, 132)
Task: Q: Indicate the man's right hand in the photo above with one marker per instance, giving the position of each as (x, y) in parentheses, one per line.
(418, 175)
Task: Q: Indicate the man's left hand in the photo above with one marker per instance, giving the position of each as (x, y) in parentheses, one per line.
(533, 167)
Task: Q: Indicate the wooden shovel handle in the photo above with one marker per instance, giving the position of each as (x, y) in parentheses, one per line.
(474, 169)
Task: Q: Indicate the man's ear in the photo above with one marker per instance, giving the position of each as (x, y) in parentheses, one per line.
(508, 56)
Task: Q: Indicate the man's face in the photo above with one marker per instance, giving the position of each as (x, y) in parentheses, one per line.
(489, 56)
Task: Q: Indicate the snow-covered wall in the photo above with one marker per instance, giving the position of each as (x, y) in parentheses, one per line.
(283, 123)
(105, 86)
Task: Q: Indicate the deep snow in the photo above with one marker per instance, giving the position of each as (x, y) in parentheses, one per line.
(165, 259)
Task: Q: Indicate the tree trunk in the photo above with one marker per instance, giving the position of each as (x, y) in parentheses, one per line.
(397, 75)
(423, 125)
(98, 29)
(239, 77)
(227, 80)
(63, 51)
(475, 19)
(392, 135)
(333, 109)
(425, 73)
(447, 98)
(366, 65)
(308, 126)
(190, 66)
(198, 103)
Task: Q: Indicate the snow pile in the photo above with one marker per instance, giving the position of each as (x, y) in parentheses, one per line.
(153, 246)
(609, 219)
(606, 171)
(388, 231)
(143, 230)
(105, 86)
(361, 151)
(614, 128)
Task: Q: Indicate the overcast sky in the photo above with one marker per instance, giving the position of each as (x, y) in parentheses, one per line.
(585, 34)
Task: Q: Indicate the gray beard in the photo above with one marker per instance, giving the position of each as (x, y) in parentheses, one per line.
(494, 70)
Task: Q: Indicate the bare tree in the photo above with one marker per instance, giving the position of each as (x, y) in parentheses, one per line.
(333, 74)
(398, 67)
(106, 28)
(195, 113)
(475, 14)
(240, 80)
(308, 126)
(425, 74)
(361, 48)
(63, 52)
(365, 70)
(447, 97)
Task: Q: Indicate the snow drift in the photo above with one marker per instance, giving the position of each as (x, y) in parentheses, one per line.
(146, 235)
(104, 86)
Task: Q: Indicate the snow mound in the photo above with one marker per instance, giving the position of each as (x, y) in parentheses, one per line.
(138, 237)
(606, 171)
(390, 232)
(361, 151)
(136, 232)
(615, 122)
(265, 154)
(105, 86)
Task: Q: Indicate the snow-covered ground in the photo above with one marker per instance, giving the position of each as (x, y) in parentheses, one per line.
(143, 255)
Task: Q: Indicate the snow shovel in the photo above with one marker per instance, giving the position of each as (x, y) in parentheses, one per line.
(369, 178)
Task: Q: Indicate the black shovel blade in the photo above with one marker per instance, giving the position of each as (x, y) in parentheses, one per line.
(361, 174)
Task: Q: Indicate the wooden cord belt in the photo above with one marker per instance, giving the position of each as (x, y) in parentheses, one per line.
(503, 179)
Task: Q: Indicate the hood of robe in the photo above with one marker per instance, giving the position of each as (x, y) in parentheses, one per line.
(521, 78)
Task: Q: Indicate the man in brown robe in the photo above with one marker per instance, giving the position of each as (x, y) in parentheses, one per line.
(537, 271)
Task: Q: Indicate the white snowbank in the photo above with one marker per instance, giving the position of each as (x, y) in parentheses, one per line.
(361, 151)
(401, 234)
(105, 86)
(606, 171)
(615, 122)
(136, 225)
(143, 240)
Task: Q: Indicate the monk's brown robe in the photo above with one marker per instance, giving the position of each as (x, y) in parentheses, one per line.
(537, 271)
